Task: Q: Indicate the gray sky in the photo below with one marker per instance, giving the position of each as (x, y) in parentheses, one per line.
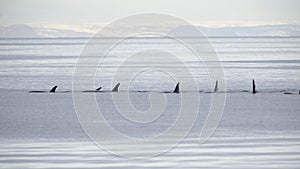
(102, 11)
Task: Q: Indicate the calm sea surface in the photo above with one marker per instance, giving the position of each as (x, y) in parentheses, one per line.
(41, 130)
(31, 64)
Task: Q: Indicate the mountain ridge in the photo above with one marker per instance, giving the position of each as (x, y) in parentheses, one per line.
(28, 31)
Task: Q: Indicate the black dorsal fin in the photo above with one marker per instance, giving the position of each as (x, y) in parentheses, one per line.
(116, 88)
(53, 89)
(99, 88)
(216, 87)
(176, 90)
(253, 87)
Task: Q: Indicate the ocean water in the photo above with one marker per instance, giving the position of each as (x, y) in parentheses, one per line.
(31, 64)
(41, 130)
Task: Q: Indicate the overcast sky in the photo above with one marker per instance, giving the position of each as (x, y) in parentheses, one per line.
(103, 11)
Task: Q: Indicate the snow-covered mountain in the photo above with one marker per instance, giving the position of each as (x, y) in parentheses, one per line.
(264, 30)
(18, 31)
(22, 31)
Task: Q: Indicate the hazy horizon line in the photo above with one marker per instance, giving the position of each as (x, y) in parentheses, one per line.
(210, 24)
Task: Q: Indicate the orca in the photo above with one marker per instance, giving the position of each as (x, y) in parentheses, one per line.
(37, 91)
(216, 87)
(97, 90)
(291, 93)
(253, 87)
(176, 90)
(116, 88)
(53, 89)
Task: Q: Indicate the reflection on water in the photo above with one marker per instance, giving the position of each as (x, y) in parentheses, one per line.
(232, 152)
(41, 131)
